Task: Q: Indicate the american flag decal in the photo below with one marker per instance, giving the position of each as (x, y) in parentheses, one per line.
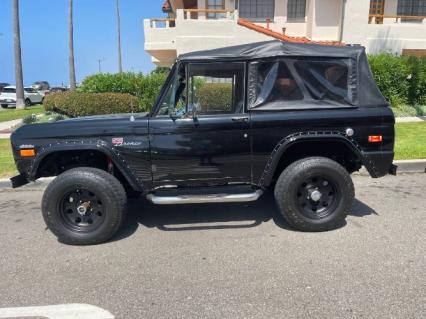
(117, 141)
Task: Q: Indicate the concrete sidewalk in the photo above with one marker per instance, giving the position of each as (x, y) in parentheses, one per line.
(6, 127)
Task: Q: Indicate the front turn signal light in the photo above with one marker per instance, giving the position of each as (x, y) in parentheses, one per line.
(27, 152)
(375, 138)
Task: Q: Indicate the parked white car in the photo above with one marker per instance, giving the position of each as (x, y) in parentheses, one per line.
(8, 96)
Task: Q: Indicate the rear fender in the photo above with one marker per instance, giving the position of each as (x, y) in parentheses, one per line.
(287, 142)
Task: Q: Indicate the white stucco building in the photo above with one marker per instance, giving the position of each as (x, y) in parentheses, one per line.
(397, 26)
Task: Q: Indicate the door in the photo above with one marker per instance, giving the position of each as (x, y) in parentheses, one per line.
(200, 132)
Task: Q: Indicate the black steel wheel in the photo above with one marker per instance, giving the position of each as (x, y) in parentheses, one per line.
(84, 206)
(82, 210)
(314, 194)
(317, 197)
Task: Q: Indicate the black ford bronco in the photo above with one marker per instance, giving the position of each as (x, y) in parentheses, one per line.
(228, 124)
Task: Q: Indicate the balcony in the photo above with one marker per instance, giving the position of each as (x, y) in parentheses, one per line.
(398, 19)
(192, 30)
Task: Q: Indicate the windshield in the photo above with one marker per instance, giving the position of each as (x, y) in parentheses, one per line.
(174, 100)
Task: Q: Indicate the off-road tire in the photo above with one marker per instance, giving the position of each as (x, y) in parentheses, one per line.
(287, 194)
(104, 185)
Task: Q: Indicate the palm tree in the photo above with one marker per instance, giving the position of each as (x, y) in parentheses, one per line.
(71, 46)
(120, 65)
(20, 99)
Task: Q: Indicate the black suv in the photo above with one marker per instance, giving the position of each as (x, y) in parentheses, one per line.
(228, 124)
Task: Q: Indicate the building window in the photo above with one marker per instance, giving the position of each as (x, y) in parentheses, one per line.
(296, 10)
(216, 5)
(377, 10)
(257, 10)
(411, 7)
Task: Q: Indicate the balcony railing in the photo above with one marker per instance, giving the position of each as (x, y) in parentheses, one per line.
(159, 23)
(192, 14)
(378, 18)
(209, 14)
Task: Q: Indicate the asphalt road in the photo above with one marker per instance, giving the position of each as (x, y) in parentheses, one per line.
(228, 261)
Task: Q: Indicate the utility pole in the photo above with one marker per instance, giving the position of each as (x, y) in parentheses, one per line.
(100, 64)
(20, 99)
(117, 8)
(73, 81)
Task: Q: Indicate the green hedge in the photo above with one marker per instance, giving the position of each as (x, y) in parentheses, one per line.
(402, 80)
(215, 97)
(144, 87)
(75, 104)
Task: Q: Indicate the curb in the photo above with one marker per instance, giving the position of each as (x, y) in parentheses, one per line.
(410, 119)
(404, 167)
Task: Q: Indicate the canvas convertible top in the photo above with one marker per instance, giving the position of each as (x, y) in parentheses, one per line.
(272, 49)
(307, 65)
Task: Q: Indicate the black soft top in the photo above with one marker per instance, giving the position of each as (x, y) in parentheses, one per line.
(272, 49)
(365, 91)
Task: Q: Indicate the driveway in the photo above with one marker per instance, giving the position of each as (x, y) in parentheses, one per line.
(228, 261)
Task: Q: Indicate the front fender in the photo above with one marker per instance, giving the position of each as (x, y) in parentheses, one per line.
(293, 139)
(94, 145)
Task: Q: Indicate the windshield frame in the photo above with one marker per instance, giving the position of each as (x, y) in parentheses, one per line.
(170, 78)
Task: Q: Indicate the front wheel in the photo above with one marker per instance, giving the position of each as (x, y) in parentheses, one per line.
(27, 102)
(84, 206)
(314, 194)
(4, 106)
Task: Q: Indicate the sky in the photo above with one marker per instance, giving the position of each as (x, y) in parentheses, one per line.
(44, 38)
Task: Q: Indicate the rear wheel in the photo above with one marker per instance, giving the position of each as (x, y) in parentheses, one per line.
(314, 194)
(84, 206)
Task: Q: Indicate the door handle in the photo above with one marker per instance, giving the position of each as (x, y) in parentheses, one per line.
(240, 119)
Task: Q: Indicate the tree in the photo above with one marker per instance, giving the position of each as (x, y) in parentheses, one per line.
(73, 81)
(20, 99)
(120, 65)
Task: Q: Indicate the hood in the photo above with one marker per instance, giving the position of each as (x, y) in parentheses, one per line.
(78, 128)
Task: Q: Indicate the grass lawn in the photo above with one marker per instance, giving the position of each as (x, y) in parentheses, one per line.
(410, 144)
(410, 140)
(14, 114)
(7, 165)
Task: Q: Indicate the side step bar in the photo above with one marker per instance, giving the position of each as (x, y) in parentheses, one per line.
(200, 199)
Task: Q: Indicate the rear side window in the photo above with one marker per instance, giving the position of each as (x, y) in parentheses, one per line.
(9, 90)
(325, 80)
(291, 83)
(276, 83)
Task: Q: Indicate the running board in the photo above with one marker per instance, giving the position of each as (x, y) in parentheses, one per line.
(200, 199)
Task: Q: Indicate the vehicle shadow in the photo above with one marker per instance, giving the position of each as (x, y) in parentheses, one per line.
(195, 217)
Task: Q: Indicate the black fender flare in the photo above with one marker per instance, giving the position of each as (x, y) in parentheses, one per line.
(93, 145)
(287, 142)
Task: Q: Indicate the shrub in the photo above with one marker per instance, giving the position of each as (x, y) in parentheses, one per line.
(215, 96)
(75, 104)
(392, 76)
(145, 87)
(28, 119)
(417, 91)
